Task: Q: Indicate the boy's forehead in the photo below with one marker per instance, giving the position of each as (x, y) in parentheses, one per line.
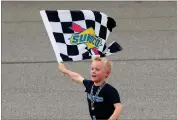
(97, 63)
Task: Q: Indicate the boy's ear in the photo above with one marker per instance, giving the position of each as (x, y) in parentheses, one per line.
(107, 74)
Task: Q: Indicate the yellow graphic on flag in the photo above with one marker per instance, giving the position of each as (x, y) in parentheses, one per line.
(87, 37)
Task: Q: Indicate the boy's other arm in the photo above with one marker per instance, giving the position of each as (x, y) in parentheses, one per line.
(73, 75)
(117, 111)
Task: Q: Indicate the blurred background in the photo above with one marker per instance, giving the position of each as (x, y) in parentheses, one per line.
(144, 73)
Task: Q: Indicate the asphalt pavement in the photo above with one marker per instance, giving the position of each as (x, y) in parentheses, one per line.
(144, 73)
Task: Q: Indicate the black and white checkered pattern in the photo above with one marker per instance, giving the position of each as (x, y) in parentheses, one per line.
(59, 22)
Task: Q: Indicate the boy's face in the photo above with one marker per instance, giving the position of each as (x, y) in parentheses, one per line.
(98, 71)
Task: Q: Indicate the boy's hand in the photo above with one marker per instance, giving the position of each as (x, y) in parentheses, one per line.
(73, 75)
(62, 67)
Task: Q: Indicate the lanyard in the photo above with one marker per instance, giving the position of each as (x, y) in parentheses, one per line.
(96, 95)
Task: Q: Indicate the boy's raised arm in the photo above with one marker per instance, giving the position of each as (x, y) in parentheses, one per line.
(73, 75)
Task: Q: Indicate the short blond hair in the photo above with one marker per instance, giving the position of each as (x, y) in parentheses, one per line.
(107, 62)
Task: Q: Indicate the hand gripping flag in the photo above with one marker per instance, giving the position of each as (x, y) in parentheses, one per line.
(79, 34)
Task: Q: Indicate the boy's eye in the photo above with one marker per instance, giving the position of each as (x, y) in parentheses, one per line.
(97, 69)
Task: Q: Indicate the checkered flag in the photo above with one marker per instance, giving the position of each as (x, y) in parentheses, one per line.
(79, 34)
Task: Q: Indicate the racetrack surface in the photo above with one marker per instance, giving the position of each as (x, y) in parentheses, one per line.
(145, 72)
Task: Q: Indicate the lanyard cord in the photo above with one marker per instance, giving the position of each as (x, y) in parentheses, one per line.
(96, 95)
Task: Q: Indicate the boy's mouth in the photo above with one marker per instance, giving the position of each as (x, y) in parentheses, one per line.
(93, 76)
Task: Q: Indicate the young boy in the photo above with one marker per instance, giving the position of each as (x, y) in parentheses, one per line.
(103, 99)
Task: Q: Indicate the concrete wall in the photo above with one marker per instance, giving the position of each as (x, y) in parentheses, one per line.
(145, 72)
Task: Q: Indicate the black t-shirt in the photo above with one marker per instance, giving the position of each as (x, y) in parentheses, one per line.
(104, 103)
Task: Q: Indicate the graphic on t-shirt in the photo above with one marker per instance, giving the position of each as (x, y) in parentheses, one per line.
(98, 99)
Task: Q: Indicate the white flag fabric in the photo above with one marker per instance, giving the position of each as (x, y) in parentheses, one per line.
(79, 34)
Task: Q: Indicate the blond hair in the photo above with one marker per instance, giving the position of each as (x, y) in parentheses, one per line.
(106, 62)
